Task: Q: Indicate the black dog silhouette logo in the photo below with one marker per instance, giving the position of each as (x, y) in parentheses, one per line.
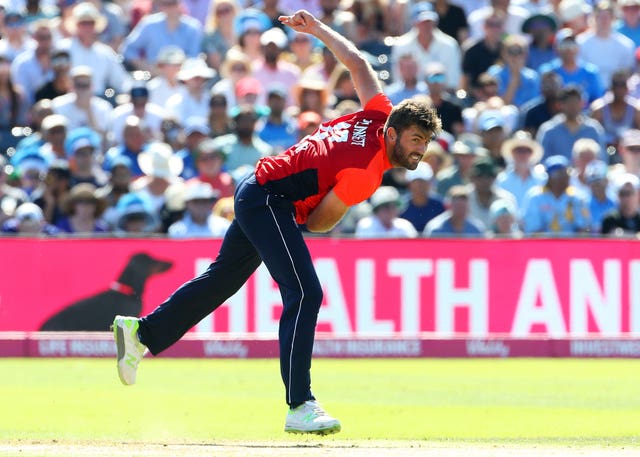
(123, 296)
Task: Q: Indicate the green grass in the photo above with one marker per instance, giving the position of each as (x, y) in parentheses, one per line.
(511, 401)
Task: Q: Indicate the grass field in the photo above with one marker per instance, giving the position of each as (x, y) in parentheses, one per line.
(65, 407)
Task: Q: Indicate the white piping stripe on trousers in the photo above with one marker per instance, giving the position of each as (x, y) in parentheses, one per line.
(295, 327)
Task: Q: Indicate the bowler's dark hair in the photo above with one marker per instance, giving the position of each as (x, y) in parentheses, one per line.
(414, 111)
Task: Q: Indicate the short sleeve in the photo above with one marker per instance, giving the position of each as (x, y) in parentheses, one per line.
(354, 186)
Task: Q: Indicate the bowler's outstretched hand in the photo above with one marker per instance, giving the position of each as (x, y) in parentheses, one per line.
(300, 21)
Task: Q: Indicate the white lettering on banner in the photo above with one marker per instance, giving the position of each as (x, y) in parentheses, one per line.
(487, 348)
(365, 301)
(634, 296)
(267, 297)
(605, 303)
(410, 272)
(334, 311)
(538, 282)
(52, 347)
(367, 348)
(89, 348)
(476, 297)
(225, 349)
(603, 348)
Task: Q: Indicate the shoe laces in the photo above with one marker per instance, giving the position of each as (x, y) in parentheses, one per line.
(315, 407)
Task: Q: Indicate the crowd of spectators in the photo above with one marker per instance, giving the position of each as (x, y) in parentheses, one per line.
(135, 117)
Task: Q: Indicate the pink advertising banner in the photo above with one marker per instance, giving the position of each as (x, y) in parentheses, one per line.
(381, 288)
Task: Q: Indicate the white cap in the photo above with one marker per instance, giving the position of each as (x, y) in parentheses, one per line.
(423, 171)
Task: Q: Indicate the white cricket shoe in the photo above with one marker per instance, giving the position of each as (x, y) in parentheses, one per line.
(309, 417)
(129, 348)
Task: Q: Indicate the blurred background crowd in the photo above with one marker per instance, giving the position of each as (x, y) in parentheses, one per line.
(133, 117)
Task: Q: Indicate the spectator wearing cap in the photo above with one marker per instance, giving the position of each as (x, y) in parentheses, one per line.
(558, 135)
(30, 166)
(85, 24)
(311, 94)
(83, 210)
(193, 98)
(60, 84)
(195, 130)
(134, 141)
(624, 220)
(14, 108)
(408, 85)
(521, 154)
(603, 46)
(244, 145)
(428, 44)
(438, 158)
(169, 26)
(249, 91)
(483, 191)
(616, 111)
(249, 24)
(571, 70)
(140, 106)
(629, 23)
(575, 14)
(541, 109)
(54, 130)
(514, 17)
(32, 68)
(136, 216)
(161, 168)
(80, 106)
(15, 38)
(385, 221)
(456, 221)
(277, 129)
(464, 151)
(83, 147)
(629, 151)
(10, 196)
(28, 220)
(584, 151)
(555, 209)
(481, 53)
(448, 107)
(273, 66)
(517, 84)
(219, 33)
(166, 83)
(503, 220)
(493, 130)
(210, 157)
(541, 28)
(421, 205)
(198, 219)
(598, 200)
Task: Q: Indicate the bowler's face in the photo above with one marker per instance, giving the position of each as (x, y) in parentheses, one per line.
(409, 147)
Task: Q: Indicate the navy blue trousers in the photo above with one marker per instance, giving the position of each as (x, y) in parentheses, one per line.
(264, 230)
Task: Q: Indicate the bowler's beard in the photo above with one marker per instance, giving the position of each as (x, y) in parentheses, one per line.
(400, 159)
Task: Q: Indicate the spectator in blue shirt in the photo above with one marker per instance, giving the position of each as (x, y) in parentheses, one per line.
(421, 206)
(599, 202)
(167, 27)
(629, 24)
(571, 70)
(541, 27)
(456, 221)
(517, 84)
(277, 129)
(555, 208)
(558, 134)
